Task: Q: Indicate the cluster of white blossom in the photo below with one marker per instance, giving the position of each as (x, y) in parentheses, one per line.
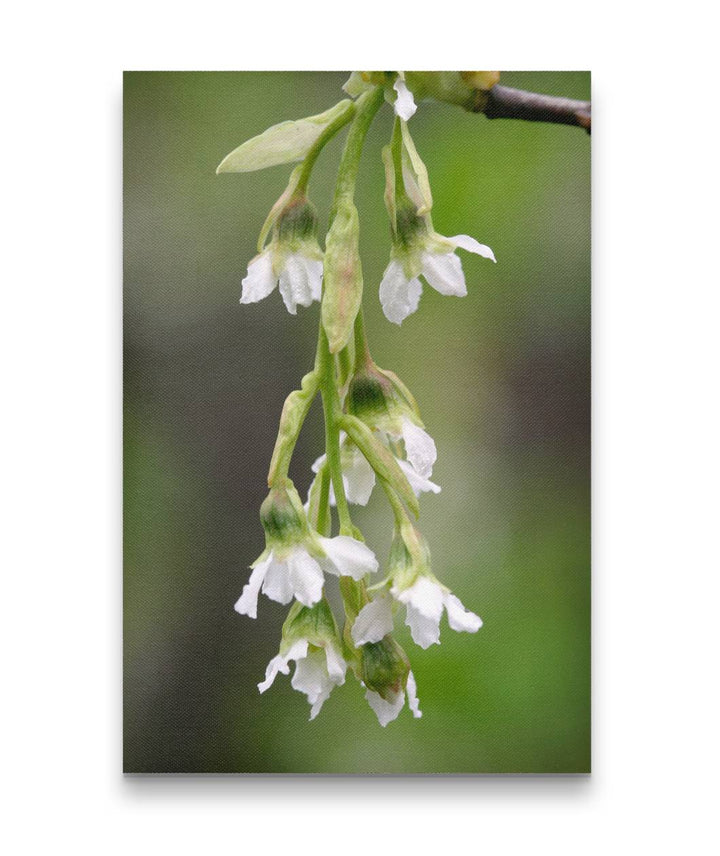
(373, 426)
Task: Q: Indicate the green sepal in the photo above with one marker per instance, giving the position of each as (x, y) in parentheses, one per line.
(315, 623)
(286, 142)
(283, 517)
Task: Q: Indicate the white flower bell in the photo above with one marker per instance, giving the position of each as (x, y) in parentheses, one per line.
(317, 672)
(295, 559)
(387, 710)
(400, 289)
(425, 600)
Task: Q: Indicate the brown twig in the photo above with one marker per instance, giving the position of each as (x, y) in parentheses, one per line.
(503, 102)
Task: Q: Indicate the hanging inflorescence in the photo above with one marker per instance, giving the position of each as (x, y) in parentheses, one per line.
(373, 431)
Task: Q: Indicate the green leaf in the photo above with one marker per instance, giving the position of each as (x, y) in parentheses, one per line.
(287, 142)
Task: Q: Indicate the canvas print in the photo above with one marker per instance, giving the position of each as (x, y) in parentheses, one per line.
(356, 422)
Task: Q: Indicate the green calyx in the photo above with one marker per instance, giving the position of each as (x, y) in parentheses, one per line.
(380, 399)
(297, 224)
(314, 623)
(384, 667)
(409, 557)
(283, 517)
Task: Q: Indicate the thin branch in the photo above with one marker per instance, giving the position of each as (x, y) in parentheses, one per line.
(506, 103)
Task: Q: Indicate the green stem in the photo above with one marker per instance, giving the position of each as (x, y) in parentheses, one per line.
(295, 409)
(320, 143)
(332, 411)
(362, 349)
(367, 106)
(401, 516)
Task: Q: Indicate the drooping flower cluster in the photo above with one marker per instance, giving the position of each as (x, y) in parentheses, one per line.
(374, 433)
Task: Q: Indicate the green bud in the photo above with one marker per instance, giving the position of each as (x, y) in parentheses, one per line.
(384, 667)
(287, 142)
(343, 282)
(468, 89)
(283, 516)
(314, 623)
(380, 399)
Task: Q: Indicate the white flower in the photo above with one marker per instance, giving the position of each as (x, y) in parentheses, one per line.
(374, 621)
(425, 600)
(300, 278)
(298, 574)
(317, 671)
(359, 477)
(387, 711)
(404, 105)
(357, 474)
(400, 292)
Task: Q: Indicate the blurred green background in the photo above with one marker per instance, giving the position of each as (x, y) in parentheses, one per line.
(502, 377)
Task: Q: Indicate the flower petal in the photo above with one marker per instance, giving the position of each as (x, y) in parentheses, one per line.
(358, 477)
(306, 576)
(444, 273)
(280, 663)
(294, 283)
(314, 268)
(472, 246)
(260, 279)
(374, 621)
(459, 618)
(424, 600)
(348, 557)
(336, 665)
(424, 630)
(277, 584)
(413, 702)
(404, 106)
(399, 295)
(312, 678)
(386, 711)
(247, 602)
(417, 482)
(420, 448)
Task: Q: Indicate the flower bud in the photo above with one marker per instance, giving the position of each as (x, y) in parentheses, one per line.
(384, 668)
(343, 277)
(467, 89)
(380, 399)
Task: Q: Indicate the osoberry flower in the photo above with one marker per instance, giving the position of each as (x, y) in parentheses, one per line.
(310, 639)
(385, 405)
(425, 600)
(417, 249)
(293, 259)
(386, 676)
(433, 257)
(295, 559)
(412, 584)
